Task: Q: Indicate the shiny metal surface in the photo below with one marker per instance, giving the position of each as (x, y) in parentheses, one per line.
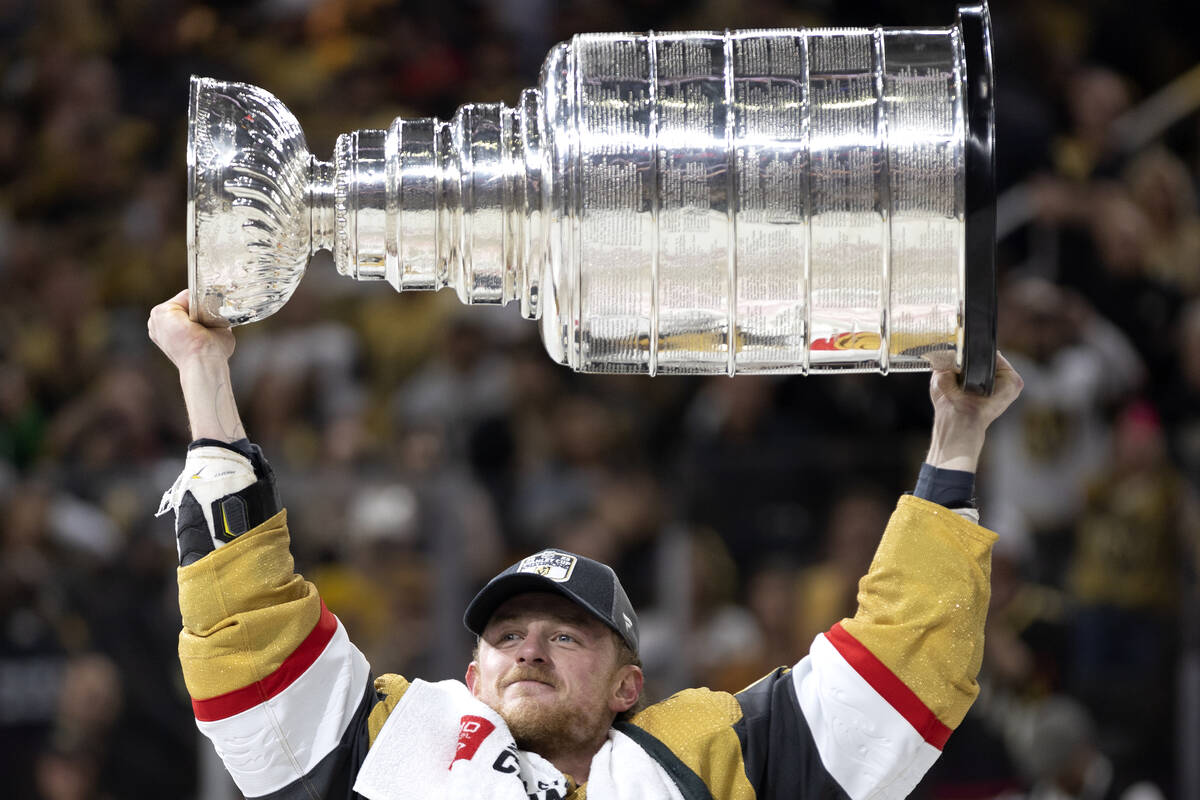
(705, 202)
(248, 221)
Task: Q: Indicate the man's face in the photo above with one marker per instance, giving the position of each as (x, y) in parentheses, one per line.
(552, 671)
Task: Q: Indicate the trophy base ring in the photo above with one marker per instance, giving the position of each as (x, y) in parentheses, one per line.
(978, 374)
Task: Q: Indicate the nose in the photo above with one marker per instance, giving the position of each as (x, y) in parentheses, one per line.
(531, 651)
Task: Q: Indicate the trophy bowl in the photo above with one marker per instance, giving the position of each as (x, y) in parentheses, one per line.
(248, 216)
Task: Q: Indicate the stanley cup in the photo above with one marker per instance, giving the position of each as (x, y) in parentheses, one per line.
(747, 201)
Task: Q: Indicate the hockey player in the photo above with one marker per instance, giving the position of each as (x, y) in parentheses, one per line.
(548, 708)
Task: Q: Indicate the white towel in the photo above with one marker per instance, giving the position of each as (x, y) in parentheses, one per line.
(622, 770)
(441, 742)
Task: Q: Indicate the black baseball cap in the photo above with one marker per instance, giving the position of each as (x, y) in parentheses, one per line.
(583, 580)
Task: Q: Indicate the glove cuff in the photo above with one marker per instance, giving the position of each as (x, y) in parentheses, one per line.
(224, 490)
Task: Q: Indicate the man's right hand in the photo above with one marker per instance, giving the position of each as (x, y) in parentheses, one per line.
(202, 357)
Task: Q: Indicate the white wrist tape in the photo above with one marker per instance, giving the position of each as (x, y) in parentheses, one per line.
(209, 474)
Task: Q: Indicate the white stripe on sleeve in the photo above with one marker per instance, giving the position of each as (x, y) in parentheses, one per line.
(865, 744)
(272, 744)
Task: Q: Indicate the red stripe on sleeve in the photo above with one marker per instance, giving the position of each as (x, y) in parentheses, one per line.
(890, 688)
(239, 700)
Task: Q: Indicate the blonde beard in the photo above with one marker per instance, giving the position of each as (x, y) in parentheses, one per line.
(551, 729)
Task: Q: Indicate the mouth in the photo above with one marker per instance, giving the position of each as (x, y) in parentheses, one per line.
(528, 682)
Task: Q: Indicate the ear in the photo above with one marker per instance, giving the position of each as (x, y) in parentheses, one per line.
(627, 688)
(472, 677)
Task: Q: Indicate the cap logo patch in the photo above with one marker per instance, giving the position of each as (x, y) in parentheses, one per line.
(550, 564)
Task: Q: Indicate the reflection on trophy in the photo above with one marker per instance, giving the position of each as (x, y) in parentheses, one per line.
(752, 201)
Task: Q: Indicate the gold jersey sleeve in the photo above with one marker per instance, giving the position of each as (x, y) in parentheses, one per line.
(244, 611)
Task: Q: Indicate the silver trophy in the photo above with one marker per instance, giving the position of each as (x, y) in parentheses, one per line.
(748, 201)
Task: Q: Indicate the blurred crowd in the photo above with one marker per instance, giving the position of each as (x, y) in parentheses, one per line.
(421, 446)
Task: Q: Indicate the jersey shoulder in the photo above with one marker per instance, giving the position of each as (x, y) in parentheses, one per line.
(697, 725)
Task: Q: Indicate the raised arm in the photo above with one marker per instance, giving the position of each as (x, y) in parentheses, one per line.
(867, 711)
(910, 655)
(276, 684)
(202, 357)
(227, 487)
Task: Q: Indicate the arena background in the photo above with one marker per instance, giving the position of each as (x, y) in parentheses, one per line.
(421, 446)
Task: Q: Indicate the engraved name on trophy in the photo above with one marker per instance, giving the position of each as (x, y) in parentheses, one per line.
(758, 201)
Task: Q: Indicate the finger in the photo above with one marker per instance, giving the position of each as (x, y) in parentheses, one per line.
(166, 317)
(1008, 383)
(176, 307)
(178, 301)
(944, 382)
(1008, 372)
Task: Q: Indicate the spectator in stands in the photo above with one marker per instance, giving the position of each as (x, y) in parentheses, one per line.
(1077, 365)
